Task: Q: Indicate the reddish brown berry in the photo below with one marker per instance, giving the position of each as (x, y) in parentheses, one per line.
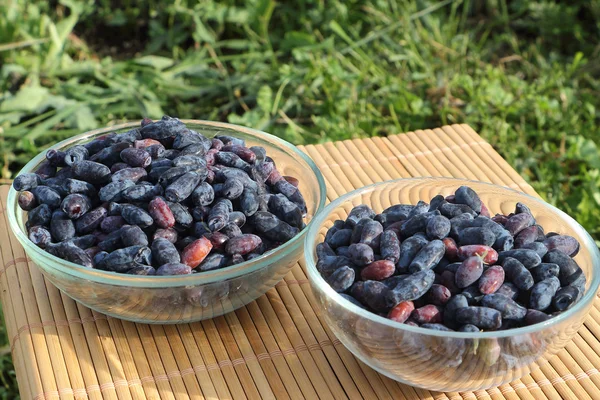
(161, 213)
(489, 255)
(451, 249)
(429, 314)
(195, 252)
(402, 311)
(378, 270)
(491, 280)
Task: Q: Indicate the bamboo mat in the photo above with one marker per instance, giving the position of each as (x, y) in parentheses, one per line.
(276, 347)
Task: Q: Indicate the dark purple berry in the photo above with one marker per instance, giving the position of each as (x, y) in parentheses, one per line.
(475, 235)
(173, 269)
(428, 257)
(438, 227)
(75, 154)
(132, 235)
(360, 254)
(466, 195)
(481, 317)
(509, 308)
(389, 246)
(411, 288)
(27, 201)
(90, 220)
(40, 236)
(26, 182)
(91, 171)
(516, 273)
(543, 292)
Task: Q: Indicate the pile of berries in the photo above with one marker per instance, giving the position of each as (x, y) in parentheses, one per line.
(448, 265)
(161, 199)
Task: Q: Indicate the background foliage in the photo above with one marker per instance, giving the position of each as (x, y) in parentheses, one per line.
(525, 74)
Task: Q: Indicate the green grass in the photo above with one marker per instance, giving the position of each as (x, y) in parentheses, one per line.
(525, 74)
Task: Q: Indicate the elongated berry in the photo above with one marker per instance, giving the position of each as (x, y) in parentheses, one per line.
(476, 236)
(374, 294)
(161, 213)
(567, 265)
(360, 253)
(173, 269)
(359, 212)
(40, 236)
(428, 314)
(516, 273)
(182, 187)
(26, 181)
(543, 292)
(509, 308)
(27, 201)
(481, 317)
(371, 233)
(91, 171)
(203, 194)
(378, 270)
(491, 280)
(518, 222)
(466, 195)
(428, 256)
(529, 258)
(243, 244)
(341, 279)
(169, 234)
(438, 227)
(454, 304)
(164, 252)
(285, 210)
(213, 261)
(469, 272)
(451, 252)
(509, 289)
(535, 317)
(132, 235)
(564, 243)
(411, 288)
(488, 254)
(196, 252)
(566, 297)
(219, 214)
(545, 271)
(389, 246)
(402, 311)
(438, 294)
(409, 249)
(90, 220)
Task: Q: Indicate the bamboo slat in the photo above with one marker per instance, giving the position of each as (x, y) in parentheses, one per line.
(278, 347)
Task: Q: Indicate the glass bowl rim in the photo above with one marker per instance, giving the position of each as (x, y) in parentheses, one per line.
(316, 278)
(114, 278)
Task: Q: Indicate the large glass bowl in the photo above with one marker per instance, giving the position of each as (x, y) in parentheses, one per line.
(448, 361)
(176, 299)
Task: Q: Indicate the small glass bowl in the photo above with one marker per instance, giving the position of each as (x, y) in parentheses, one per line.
(448, 361)
(187, 298)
